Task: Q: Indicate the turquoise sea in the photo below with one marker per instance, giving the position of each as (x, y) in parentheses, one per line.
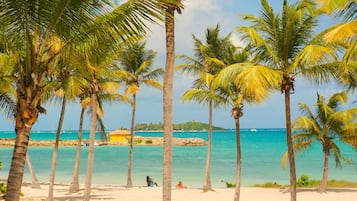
(262, 153)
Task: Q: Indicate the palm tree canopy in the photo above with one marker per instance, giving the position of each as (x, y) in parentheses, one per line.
(285, 42)
(328, 124)
(136, 63)
(253, 82)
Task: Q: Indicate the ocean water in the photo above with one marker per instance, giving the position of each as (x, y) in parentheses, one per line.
(261, 152)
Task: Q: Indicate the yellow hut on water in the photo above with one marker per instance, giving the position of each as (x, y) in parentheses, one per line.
(119, 135)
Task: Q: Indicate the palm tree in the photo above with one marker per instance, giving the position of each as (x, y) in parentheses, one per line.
(67, 85)
(285, 43)
(204, 92)
(243, 82)
(169, 11)
(136, 63)
(209, 59)
(326, 126)
(33, 26)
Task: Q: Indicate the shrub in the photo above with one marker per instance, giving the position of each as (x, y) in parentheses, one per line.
(305, 181)
(148, 142)
(138, 141)
(229, 184)
(269, 185)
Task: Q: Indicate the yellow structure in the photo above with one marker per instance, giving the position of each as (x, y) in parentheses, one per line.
(119, 135)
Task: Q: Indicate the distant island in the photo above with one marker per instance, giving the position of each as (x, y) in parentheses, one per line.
(188, 126)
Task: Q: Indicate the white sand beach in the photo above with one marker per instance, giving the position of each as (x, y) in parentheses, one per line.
(110, 192)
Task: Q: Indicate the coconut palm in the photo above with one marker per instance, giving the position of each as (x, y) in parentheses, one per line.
(33, 25)
(204, 92)
(285, 42)
(210, 57)
(135, 63)
(345, 34)
(169, 10)
(329, 124)
(243, 82)
(67, 84)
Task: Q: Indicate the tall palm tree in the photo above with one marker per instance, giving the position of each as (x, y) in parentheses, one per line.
(169, 11)
(210, 57)
(285, 42)
(243, 82)
(67, 85)
(205, 92)
(326, 126)
(33, 25)
(136, 63)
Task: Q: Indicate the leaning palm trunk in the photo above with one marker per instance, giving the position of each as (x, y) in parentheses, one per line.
(167, 101)
(27, 111)
(323, 184)
(236, 114)
(74, 187)
(207, 183)
(129, 182)
(35, 183)
(289, 143)
(55, 150)
(93, 128)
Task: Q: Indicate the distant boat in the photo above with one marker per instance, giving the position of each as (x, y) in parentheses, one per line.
(253, 130)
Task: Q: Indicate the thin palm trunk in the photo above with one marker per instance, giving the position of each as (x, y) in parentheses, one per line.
(239, 161)
(35, 183)
(55, 150)
(207, 183)
(129, 183)
(289, 143)
(323, 184)
(167, 101)
(74, 187)
(93, 129)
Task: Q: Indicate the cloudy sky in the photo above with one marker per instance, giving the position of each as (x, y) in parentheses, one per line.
(197, 16)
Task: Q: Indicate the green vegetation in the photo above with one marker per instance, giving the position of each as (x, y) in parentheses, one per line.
(183, 126)
(137, 141)
(305, 182)
(148, 142)
(2, 185)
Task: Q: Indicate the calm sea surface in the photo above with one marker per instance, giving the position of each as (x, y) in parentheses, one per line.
(262, 153)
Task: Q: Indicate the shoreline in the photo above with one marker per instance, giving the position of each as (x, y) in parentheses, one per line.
(138, 141)
(114, 192)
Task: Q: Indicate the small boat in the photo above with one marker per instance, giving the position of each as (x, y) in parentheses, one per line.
(253, 130)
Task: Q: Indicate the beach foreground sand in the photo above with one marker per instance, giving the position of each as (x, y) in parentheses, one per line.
(110, 192)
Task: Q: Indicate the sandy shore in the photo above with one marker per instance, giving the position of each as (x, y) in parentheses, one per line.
(109, 192)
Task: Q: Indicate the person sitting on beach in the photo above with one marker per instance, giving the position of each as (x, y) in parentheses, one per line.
(180, 185)
(148, 181)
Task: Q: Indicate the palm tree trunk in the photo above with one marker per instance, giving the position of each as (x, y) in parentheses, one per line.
(239, 161)
(207, 183)
(289, 143)
(167, 101)
(55, 150)
(26, 115)
(93, 129)
(35, 184)
(129, 183)
(74, 187)
(323, 184)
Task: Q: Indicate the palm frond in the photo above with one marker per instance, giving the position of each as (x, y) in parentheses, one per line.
(345, 32)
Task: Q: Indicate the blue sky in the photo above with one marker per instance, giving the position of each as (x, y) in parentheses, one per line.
(196, 17)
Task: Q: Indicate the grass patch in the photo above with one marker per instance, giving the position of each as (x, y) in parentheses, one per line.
(305, 182)
(148, 142)
(138, 141)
